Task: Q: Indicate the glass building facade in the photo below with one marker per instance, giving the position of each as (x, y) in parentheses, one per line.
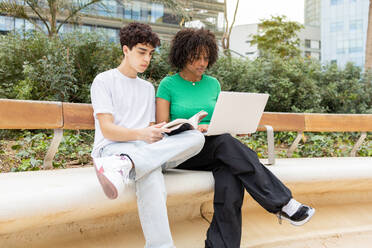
(312, 13)
(344, 31)
(110, 16)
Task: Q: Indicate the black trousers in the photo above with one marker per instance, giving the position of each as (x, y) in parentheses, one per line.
(235, 167)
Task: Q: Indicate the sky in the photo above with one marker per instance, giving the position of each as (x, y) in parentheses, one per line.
(251, 11)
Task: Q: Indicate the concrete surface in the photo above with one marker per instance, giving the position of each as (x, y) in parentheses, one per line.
(66, 208)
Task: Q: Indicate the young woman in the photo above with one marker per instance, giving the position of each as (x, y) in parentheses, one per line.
(235, 167)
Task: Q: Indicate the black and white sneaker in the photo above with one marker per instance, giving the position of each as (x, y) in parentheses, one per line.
(300, 217)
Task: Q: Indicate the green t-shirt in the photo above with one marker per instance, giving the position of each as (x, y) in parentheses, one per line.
(187, 99)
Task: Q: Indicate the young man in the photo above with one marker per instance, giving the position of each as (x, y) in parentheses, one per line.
(127, 145)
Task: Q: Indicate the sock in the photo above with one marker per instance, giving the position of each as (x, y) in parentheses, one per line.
(291, 207)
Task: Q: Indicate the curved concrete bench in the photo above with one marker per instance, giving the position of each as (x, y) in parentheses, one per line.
(67, 208)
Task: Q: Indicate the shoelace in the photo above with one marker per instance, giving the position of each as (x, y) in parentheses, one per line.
(280, 219)
(123, 170)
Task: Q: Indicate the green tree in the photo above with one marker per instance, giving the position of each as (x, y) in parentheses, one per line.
(278, 36)
(64, 11)
(225, 41)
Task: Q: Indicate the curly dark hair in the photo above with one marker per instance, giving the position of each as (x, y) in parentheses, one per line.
(134, 33)
(187, 45)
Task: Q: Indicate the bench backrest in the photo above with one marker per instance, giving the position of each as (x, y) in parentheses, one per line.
(318, 122)
(19, 114)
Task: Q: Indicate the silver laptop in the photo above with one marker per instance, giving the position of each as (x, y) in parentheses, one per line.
(237, 113)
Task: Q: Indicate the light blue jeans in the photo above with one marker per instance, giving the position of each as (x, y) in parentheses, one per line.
(149, 160)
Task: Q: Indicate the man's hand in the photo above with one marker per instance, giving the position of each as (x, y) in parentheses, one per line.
(203, 128)
(153, 133)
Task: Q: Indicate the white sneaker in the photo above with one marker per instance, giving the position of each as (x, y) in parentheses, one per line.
(113, 173)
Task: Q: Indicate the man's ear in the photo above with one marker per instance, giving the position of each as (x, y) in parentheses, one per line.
(125, 49)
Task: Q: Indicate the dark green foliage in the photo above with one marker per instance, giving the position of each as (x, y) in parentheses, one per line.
(37, 67)
(14, 53)
(41, 68)
(92, 54)
(345, 91)
(298, 84)
(159, 66)
(26, 150)
(312, 144)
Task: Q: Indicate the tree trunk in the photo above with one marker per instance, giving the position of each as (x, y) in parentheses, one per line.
(368, 59)
(226, 36)
(53, 22)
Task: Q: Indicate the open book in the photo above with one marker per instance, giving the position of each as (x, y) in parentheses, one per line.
(180, 125)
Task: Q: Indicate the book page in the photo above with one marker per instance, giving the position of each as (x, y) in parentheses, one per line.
(175, 123)
(195, 119)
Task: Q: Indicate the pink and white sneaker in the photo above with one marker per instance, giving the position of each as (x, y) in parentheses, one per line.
(113, 173)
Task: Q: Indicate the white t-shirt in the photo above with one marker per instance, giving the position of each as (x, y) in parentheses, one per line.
(130, 100)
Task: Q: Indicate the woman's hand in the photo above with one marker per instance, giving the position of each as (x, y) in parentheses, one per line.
(203, 128)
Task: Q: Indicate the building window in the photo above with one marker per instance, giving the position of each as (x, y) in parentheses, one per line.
(341, 46)
(127, 10)
(315, 44)
(340, 50)
(334, 61)
(307, 43)
(336, 26)
(157, 13)
(19, 25)
(108, 8)
(336, 2)
(145, 12)
(171, 18)
(356, 25)
(6, 23)
(136, 11)
(315, 55)
(356, 46)
(358, 61)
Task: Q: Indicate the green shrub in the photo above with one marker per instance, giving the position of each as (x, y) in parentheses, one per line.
(92, 54)
(159, 66)
(28, 149)
(345, 90)
(37, 67)
(51, 78)
(41, 68)
(15, 51)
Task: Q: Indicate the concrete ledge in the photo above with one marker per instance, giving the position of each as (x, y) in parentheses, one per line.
(69, 207)
(34, 199)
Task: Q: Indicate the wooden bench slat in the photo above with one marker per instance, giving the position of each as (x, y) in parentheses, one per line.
(78, 116)
(283, 121)
(19, 114)
(338, 122)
